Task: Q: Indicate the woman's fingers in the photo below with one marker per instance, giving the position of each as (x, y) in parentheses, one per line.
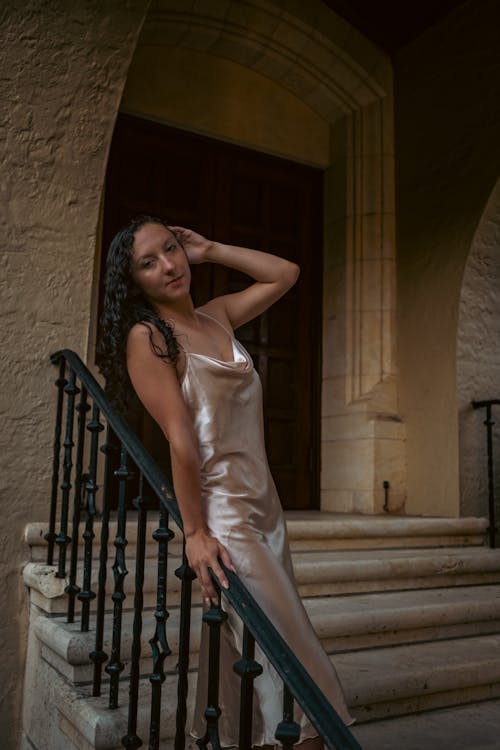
(203, 552)
(207, 587)
(226, 558)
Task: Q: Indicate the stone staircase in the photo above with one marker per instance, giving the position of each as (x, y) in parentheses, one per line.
(408, 608)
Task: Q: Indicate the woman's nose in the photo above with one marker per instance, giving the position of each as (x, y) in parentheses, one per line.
(167, 264)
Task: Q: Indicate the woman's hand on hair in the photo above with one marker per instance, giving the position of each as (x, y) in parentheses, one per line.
(203, 551)
(195, 245)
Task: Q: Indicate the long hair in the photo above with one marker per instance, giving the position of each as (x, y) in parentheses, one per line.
(124, 306)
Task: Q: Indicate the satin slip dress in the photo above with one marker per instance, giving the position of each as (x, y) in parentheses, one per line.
(243, 511)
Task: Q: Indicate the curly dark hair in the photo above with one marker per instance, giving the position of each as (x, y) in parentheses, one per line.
(124, 306)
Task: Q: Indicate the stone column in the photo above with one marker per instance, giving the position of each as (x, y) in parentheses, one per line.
(362, 434)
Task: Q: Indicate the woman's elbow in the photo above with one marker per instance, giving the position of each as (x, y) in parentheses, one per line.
(292, 273)
(184, 451)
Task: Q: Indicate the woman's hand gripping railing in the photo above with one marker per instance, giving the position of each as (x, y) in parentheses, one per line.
(136, 465)
(488, 404)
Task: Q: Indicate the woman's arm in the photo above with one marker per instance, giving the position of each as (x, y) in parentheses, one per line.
(273, 275)
(157, 386)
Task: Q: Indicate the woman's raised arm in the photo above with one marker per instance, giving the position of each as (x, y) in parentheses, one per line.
(156, 384)
(273, 275)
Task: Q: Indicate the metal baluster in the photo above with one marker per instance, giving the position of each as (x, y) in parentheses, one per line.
(288, 731)
(131, 740)
(51, 535)
(491, 479)
(214, 617)
(115, 666)
(72, 589)
(159, 643)
(62, 539)
(186, 576)
(86, 594)
(489, 423)
(248, 669)
(99, 656)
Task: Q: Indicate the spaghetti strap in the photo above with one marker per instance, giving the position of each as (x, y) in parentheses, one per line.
(231, 335)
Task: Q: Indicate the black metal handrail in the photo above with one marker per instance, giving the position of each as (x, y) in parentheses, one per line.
(122, 443)
(489, 423)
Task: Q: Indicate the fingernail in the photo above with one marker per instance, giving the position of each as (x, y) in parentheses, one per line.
(225, 585)
(207, 602)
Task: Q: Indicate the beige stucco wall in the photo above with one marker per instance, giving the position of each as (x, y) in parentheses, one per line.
(63, 68)
(447, 94)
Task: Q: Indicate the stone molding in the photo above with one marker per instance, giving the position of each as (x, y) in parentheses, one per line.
(276, 43)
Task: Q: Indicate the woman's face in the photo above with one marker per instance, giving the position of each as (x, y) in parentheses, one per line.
(159, 265)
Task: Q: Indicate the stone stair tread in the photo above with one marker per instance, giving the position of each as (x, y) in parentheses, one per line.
(471, 727)
(360, 613)
(347, 565)
(318, 525)
(332, 617)
(372, 676)
(310, 524)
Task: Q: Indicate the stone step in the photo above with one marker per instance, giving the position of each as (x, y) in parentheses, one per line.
(343, 623)
(368, 621)
(347, 571)
(470, 727)
(316, 530)
(318, 573)
(378, 684)
(408, 679)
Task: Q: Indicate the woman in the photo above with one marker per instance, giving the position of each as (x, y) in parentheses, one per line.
(198, 383)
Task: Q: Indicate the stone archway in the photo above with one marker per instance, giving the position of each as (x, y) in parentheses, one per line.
(478, 355)
(326, 65)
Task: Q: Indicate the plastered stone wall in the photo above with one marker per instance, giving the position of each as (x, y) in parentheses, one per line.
(447, 119)
(63, 66)
(478, 358)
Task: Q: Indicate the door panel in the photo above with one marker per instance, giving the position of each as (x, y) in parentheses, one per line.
(244, 198)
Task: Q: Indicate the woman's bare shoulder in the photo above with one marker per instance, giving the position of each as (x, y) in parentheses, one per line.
(143, 333)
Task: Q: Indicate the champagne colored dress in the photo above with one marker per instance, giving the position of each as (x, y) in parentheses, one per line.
(244, 512)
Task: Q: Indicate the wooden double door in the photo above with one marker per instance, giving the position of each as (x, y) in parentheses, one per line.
(247, 198)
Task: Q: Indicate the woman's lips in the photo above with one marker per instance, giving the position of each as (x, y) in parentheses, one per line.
(174, 281)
